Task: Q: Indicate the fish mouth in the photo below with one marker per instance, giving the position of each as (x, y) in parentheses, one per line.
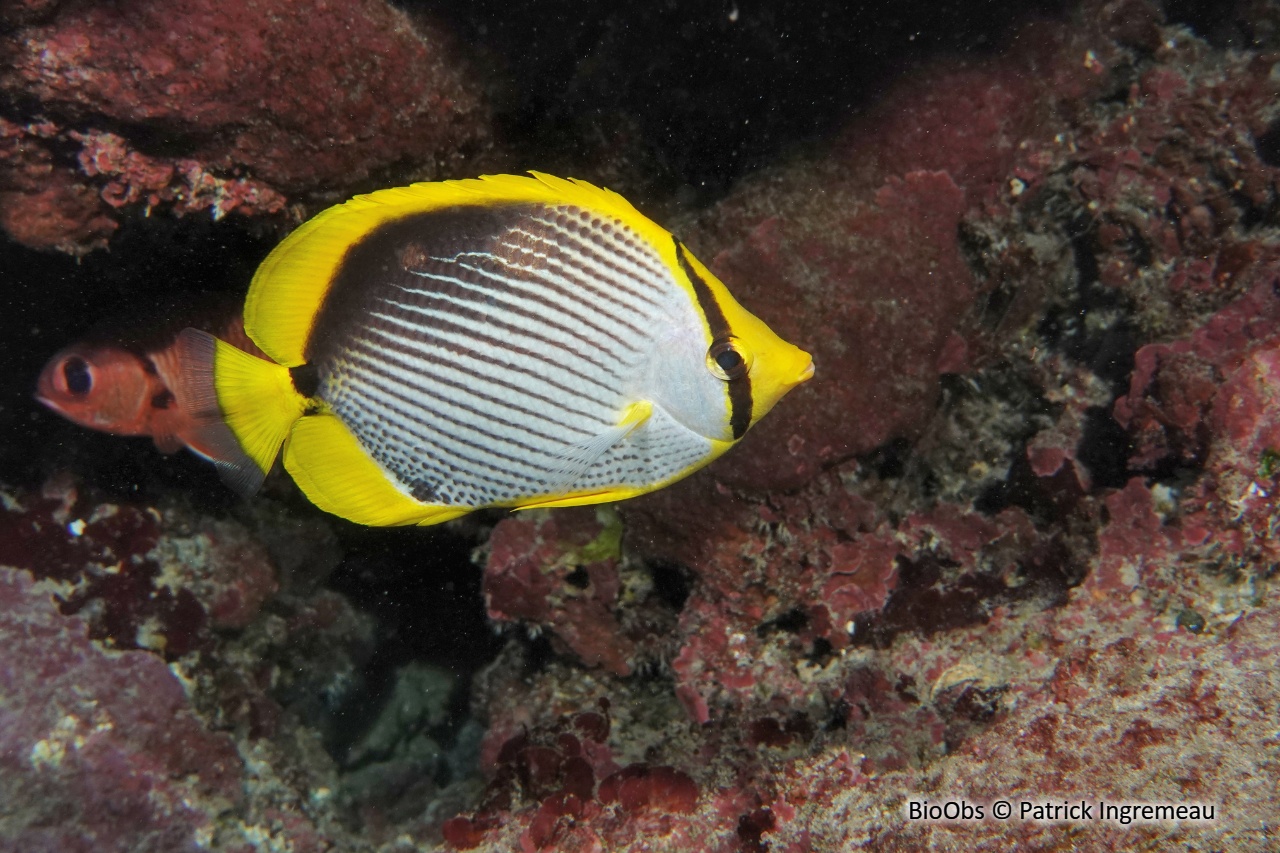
(51, 404)
(43, 397)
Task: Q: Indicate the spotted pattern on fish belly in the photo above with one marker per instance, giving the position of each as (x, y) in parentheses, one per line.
(474, 352)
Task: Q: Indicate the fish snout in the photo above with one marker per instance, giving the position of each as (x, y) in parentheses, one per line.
(806, 372)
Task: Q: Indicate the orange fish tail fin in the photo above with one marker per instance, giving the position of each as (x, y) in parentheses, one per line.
(242, 407)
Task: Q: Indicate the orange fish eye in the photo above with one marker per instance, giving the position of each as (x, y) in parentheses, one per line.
(77, 376)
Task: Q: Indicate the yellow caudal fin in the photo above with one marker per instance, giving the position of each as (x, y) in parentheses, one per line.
(337, 475)
(246, 406)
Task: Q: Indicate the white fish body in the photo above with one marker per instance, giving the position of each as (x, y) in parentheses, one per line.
(501, 342)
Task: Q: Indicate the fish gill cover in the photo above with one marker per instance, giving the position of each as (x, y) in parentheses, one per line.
(1015, 541)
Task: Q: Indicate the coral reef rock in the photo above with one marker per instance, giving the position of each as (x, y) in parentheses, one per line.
(199, 106)
(1016, 541)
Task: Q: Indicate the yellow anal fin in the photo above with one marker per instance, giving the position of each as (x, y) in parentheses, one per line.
(340, 477)
(583, 498)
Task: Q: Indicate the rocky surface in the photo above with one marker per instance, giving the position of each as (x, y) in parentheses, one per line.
(1030, 486)
(1015, 542)
(217, 108)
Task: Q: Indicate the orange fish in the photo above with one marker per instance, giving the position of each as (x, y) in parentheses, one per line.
(127, 385)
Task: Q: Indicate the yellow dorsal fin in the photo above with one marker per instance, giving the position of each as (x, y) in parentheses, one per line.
(290, 285)
(337, 475)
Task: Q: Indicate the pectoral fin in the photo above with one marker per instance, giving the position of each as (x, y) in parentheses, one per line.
(580, 456)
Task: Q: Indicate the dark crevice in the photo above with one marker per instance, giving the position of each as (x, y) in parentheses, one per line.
(702, 92)
(578, 578)
(672, 582)
(423, 591)
(1268, 144)
(791, 622)
(932, 595)
(1045, 501)
(924, 602)
(1104, 449)
(822, 652)
(889, 461)
(538, 653)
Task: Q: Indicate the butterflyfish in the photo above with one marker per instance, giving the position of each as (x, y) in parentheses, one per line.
(505, 341)
(122, 378)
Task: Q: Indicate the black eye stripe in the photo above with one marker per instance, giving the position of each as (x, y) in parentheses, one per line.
(727, 356)
(740, 385)
(75, 372)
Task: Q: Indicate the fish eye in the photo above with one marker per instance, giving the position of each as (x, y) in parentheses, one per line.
(75, 372)
(728, 359)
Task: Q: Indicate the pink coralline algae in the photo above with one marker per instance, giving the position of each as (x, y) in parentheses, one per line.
(99, 750)
(762, 630)
(1014, 542)
(981, 558)
(141, 666)
(133, 177)
(1210, 400)
(561, 779)
(1113, 695)
(136, 587)
(217, 107)
(559, 571)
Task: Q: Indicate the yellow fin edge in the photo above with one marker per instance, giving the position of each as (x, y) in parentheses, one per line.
(339, 476)
(718, 449)
(290, 285)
